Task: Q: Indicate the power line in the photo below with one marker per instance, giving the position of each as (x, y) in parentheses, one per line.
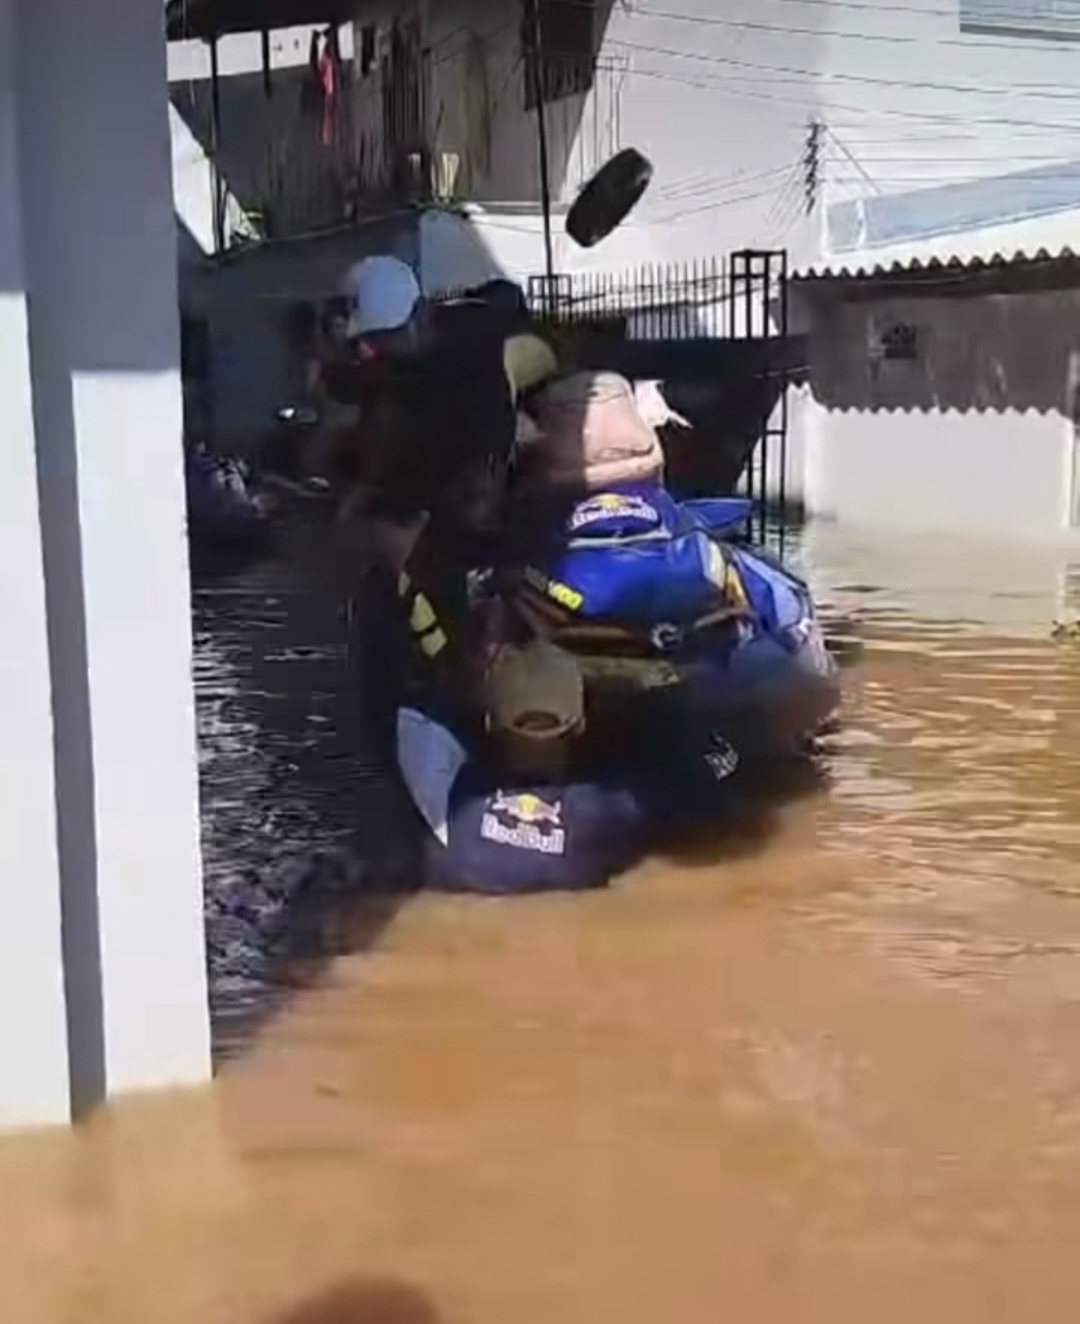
(687, 191)
(808, 78)
(971, 41)
(870, 80)
(877, 180)
(869, 6)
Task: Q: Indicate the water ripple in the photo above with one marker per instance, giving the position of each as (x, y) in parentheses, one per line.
(296, 807)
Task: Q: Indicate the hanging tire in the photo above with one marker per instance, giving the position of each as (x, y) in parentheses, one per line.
(608, 197)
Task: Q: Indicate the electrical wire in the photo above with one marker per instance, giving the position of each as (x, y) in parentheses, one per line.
(862, 113)
(968, 41)
(1031, 91)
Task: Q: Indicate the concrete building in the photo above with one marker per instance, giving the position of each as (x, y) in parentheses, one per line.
(945, 398)
(102, 968)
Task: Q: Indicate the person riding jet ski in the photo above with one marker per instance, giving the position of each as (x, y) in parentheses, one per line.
(437, 387)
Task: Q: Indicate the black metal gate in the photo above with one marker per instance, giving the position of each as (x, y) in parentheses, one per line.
(759, 296)
(716, 334)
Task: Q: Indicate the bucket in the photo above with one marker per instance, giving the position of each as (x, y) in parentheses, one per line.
(535, 709)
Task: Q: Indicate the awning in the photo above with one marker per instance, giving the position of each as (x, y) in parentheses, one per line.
(205, 19)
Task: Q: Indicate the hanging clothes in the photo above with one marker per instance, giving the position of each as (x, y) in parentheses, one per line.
(330, 78)
(321, 94)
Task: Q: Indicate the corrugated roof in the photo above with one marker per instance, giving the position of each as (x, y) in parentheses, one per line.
(936, 266)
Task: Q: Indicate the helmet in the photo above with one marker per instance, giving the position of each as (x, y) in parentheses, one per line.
(529, 363)
(382, 293)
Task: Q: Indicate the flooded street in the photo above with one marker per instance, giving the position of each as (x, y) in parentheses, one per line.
(832, 1075)
(296, 811)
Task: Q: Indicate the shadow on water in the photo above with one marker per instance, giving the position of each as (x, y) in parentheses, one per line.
(751, 819)
(364, 1301)
(306, 837)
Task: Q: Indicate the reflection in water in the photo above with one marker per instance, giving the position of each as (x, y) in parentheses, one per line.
(832, 1076)
(296, 810)
(960, 811)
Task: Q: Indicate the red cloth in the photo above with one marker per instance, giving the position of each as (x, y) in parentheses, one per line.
(330, 82)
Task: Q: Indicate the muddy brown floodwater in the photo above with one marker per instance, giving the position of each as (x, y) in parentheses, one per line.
(832, 1076)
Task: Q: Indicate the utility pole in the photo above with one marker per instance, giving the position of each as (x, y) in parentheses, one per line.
(534, 57)
(812, 164)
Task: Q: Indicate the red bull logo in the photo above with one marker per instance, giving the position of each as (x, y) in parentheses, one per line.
(527, 808)
(612, 505)
(524, 821)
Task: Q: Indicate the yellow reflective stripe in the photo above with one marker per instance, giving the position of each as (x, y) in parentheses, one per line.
(422, 616)
(424, 625)
(717, 569)
(431, 645)
(734, 589)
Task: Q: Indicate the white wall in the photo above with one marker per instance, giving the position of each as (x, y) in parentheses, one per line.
(89, 362)
(34, 1077)
(975, 434)
(912, 102)
(964, 472)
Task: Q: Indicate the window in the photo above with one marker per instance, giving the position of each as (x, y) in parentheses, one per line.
(1057, 19)
(567, 31)
(900, 343)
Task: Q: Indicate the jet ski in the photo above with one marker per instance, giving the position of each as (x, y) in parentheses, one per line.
(678, 623)
(698, 654)
(701, 665)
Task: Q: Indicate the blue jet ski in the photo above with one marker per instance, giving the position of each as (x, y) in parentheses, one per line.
(676, 620)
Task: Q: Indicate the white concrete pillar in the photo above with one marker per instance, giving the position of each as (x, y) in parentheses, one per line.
(33, 1034)
(100, 252)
